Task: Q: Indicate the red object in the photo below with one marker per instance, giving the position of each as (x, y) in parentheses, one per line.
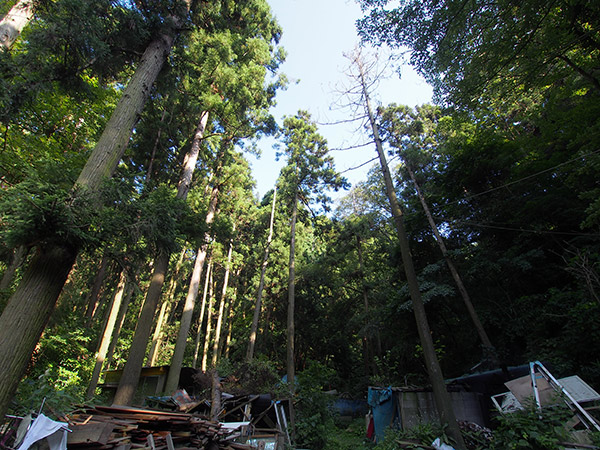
(371, 429)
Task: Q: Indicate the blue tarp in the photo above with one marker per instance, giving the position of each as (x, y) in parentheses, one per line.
(383, 405)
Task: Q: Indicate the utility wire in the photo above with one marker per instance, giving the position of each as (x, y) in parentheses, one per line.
(524, 230)
(522, 179)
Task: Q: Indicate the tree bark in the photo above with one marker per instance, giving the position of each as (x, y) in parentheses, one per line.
(261, 285)
(209, 314)
(167, 303)
(290, 363)
(100, 165)
(201, 316)
(94, 297)
(112, 144)
(13, 23)
(440, 393)
(119, 325)
(215, 404)
(133, 367)
(488, 349)
(217, 340)
(27, 312)
(107, 334)
(190, 300)
(17, 259)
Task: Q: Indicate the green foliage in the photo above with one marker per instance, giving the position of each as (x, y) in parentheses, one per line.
(420, 435)
(530, 429)
(314, 419)
(351, 437)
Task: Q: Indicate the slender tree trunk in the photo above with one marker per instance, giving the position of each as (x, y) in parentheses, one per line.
(13, 23)
(440, 393)
(94, 296)
(209, 317)
(488, 348)
(190, 300)
(168, 301)
(290, 363)
(218, 328)
(133, 367)
(17, 259)
(201, 316)
(232, 304)
(261, 284)
(367, 344)
(107, 334)
(119, 325)
(155, 146)
(27, 312)
(215, 404)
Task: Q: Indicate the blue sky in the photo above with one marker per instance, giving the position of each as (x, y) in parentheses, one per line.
(316, 34)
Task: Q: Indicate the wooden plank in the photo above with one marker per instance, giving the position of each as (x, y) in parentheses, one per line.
(92, 432)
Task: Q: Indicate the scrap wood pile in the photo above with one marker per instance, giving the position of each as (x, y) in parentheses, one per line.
(125, 428)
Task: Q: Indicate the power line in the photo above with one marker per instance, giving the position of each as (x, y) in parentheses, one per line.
(525, 230)
(521, 179)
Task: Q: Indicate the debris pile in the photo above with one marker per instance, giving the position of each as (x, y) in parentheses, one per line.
(125, 428)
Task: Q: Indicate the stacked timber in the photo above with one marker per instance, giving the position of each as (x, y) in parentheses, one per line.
(125, 428)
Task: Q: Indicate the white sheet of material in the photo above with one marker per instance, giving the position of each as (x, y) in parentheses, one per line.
(44, 427)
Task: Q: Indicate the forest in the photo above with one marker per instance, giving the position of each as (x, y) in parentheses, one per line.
(131, 234)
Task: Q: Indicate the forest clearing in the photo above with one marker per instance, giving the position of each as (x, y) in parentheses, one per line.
(149, 299)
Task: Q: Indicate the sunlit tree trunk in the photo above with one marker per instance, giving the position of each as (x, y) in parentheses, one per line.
(13, 23)
(107, 334)
(261, 284)
(488, 349)
(290, 363)
(94, 296)
(202, 309)
(190, 300)
(167, 303)
(209, 317)
(119, 325)
(218, 328)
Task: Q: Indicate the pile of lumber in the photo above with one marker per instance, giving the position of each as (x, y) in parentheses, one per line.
(125, 428)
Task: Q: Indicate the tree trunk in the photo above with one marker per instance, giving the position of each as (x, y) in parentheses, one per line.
(215, 404)
(290, 363)
(94, 296)
(440, 393)
(112, 144)
(232, 304)
(167, 303)
(201, 316)
(219, 326)
(369, 361)
(119, 325)
(190, 300)
(489, 352)
(133, 368)
(107, 334)
(17, 259)
(27, 312)
(261, 285)
(209, 314)
(13, 23)
(100, 165)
